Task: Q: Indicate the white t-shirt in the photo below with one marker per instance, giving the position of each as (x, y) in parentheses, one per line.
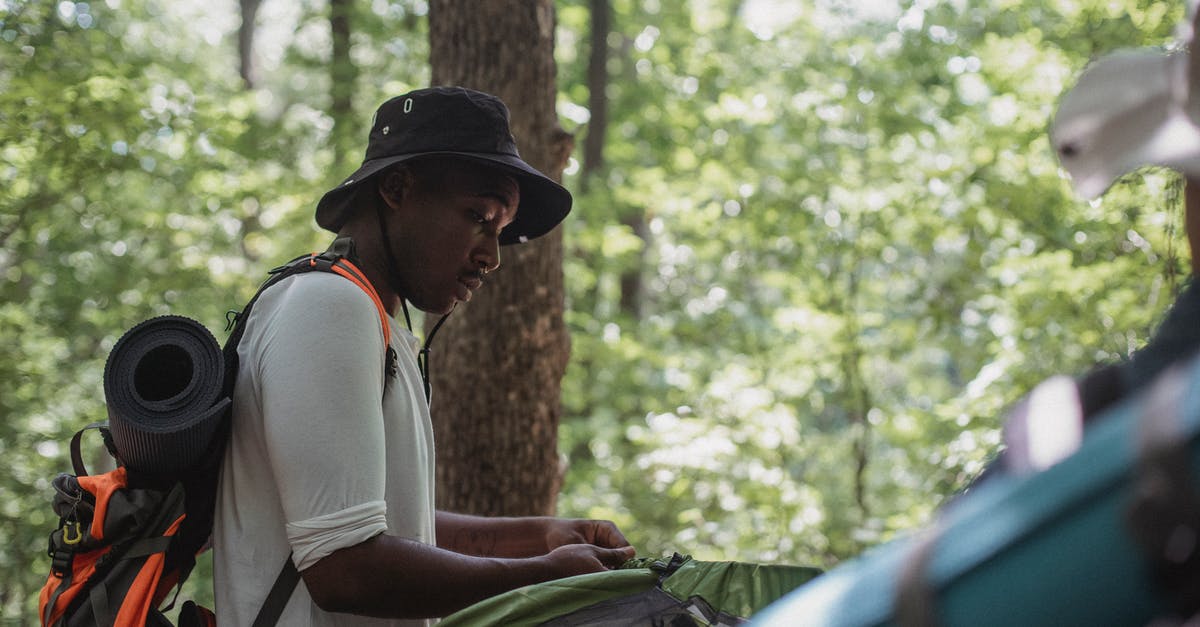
(326, 450)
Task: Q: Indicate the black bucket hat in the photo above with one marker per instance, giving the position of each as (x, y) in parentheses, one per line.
(459, 122)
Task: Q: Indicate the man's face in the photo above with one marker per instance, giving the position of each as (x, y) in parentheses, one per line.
(446, 231)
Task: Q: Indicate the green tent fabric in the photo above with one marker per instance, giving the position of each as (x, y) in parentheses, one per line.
(646, 591)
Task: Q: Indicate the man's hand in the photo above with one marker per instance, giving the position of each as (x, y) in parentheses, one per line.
(580, 559)
(601, 533)
(527, 536)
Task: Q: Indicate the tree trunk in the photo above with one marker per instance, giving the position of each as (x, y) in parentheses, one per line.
(246, 42)
(342, 74)
(249, 74)
(597, 80)
(593, 150)
(498, 363)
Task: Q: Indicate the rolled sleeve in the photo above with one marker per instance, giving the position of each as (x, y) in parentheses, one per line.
(318, 537)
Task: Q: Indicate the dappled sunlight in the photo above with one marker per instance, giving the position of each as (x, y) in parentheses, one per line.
(828, 246)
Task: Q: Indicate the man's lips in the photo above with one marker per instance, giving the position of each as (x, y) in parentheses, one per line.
(470, 282)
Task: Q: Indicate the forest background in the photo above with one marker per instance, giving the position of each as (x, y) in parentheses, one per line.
(827, 245)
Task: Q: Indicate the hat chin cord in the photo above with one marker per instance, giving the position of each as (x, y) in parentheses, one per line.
(393, 274)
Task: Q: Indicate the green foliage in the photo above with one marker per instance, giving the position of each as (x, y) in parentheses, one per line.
(862, 252)
(138, 178)
(860, 249)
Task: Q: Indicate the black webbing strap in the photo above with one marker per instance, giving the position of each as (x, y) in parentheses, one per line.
(147, 546)
(278, 597)
(66, 582)
(76, 441)
(101, 610)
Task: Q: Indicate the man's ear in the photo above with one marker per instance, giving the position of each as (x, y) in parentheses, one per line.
(393, 184)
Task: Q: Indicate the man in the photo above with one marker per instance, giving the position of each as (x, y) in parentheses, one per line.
(331, 455)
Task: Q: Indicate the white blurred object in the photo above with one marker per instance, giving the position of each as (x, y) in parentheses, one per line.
(1130, 109)
(1045, 427)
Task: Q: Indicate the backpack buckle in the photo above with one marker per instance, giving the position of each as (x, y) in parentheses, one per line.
(322, 261)
(60, 556)
(69, 538)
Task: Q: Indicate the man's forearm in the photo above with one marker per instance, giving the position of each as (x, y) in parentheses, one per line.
(395, 577)
(491, 537)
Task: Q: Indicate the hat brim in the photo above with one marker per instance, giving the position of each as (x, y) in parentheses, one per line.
(544, 203)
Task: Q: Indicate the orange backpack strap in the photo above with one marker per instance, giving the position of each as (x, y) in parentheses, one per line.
(347, 269)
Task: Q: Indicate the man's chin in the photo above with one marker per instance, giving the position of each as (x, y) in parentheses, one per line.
(437, 309)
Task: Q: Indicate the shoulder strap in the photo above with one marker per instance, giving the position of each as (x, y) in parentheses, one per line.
(277, 598)
(347, 269)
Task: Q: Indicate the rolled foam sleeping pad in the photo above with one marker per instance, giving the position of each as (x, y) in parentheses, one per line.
(163, 385)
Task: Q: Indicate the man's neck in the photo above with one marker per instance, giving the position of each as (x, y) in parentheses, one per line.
(373, 262)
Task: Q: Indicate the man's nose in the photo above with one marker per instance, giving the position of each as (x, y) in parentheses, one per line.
(487, 254)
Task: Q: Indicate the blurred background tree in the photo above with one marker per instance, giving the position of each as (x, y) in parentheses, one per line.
(817, 248)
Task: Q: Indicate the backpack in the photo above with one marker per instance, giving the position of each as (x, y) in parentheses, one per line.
(127, 537)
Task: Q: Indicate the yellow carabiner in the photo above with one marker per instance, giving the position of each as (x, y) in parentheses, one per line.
(72, 539)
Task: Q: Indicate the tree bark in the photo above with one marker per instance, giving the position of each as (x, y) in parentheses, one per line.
(246, 42)
(342, 74)
(597, 80)
(593, 150)
(498, 362)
